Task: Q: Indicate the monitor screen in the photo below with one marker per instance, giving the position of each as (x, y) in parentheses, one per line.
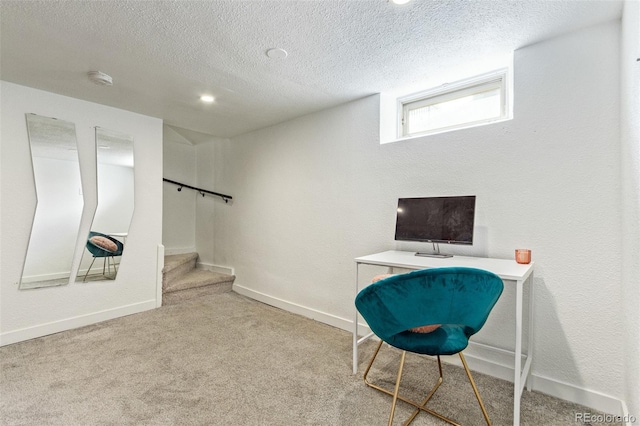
(436, 219)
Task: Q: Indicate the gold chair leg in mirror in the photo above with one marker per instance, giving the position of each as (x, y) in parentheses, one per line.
(111, 260)
(475, 389)
(106, 267)
(85, 275)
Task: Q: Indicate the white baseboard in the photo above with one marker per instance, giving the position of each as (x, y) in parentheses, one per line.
(95, 269)
(481, 358)
(322, 317)
(628, 419)
(40, 330)
(45, 277)
(159, 275)
(587, 397)
(499, 363)
(216, 268)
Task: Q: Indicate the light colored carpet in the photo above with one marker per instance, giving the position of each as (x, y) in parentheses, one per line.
(228, 360)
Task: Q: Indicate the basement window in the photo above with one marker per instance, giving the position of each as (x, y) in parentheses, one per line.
(468, 103)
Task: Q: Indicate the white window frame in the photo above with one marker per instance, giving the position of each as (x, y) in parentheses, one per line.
(447, 92)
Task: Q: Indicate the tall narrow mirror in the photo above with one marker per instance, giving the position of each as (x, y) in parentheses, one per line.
(107, 240)
(56, 171)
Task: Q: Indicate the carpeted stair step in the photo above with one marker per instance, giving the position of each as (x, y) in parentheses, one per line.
(197, 278)
(182, 281)
(176, 297)
(177, 265)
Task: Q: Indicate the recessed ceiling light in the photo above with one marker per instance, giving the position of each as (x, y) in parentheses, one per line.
(400, 1)
(207, 98)
(277, 53)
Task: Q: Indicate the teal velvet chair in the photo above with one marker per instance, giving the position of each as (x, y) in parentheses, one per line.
(106, 247)
(455, 301)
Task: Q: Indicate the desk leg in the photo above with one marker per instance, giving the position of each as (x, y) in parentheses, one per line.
(355, 328)
(518, 355)
(530, 346)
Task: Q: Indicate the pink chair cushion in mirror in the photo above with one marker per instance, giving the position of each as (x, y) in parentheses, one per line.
(104, 243)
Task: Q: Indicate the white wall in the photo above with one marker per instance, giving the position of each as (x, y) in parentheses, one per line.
(26, 314)
(209, 178)
(179, 207)
(630, 129)
(315, 192)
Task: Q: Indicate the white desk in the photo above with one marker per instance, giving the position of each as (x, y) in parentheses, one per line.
(506, 269)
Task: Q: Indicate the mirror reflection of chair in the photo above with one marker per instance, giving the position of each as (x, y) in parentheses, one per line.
(107, 247)
(429, 312)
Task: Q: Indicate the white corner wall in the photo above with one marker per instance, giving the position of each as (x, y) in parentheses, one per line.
(188, 222)
(25, 314)
(208, 177)
(315, 192)
(178, 207)
(630, 137)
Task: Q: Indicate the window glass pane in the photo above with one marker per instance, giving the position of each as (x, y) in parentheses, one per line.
(466, 109)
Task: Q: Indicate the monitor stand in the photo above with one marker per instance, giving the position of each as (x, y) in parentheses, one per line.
(439, 255)
(436, 253)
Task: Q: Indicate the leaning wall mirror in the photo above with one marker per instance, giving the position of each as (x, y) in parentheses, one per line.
(107, 240)
(59, 202)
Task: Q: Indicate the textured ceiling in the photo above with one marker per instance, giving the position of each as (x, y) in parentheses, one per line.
(163, 55)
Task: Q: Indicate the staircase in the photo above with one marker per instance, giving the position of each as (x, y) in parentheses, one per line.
(182, 281)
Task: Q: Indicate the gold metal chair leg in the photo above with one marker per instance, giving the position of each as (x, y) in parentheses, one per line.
(418, 406)
(429, 395)
(373, 358)
(397, 389)
(475, 389)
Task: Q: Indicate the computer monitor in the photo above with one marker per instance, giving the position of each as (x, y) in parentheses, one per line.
(436, 220)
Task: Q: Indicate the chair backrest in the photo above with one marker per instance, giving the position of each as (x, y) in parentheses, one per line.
(98, 251)
(452, 295)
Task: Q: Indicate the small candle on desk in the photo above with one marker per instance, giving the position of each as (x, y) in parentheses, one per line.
(523, 256)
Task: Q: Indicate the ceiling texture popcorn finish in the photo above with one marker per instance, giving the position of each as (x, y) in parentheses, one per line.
(165, 54)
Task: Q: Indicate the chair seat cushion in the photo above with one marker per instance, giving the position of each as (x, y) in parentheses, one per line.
(380, 277)
(104, 243)
(424, 328)
(448, 339)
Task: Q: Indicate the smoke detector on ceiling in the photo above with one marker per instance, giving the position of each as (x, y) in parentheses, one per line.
(98, 77)
(277, 53)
